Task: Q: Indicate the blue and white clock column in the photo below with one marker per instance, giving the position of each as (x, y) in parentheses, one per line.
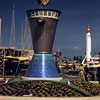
(43, 24)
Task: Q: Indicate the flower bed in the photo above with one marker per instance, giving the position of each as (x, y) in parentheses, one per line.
(92, 88)
(38, 89)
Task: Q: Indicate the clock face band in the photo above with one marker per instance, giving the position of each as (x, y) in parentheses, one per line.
(43, 14)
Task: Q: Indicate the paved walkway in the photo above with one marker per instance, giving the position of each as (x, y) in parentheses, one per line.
(48, 98)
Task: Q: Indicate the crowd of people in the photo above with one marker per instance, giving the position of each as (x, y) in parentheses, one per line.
(86, 73)
(89, 73)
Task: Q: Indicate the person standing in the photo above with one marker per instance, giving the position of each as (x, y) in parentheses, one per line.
(86, 72)
(82, 73)
(98, 73)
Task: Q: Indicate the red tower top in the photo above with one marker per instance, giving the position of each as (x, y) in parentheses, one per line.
(88, 32)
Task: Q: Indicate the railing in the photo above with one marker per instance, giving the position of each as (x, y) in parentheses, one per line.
(2, 63)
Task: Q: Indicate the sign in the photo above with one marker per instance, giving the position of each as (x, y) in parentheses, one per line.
(44, 13)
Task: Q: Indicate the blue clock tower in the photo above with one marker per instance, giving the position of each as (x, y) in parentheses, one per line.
(43, 24)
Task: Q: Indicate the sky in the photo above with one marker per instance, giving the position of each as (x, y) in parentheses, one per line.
(72, 25)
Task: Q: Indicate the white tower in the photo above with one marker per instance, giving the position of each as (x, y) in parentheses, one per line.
(88, 46)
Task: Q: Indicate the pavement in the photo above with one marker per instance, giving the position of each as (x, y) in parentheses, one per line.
(49, 98)
(94, 82)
